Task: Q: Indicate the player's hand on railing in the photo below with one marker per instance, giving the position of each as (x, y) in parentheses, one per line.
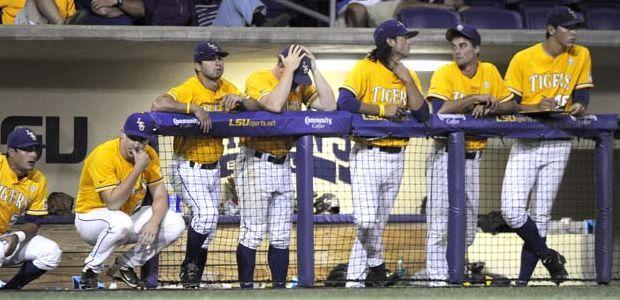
(577, 109)
(293, 59)
(488, 101)
(231, 102)
(480, 111)
(140, 157)
(204, 119)
(147, 234)
(394, 112)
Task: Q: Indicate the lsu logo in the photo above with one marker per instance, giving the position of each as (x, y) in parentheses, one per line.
(31, 135)
(239, 122)
(140, 124)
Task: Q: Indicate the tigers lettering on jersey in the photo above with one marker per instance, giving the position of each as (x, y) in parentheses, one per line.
(449, 84)
(20, 196)
(105, 168)
(201, 150)
(258, 85)
(371, 82)
(533, 74)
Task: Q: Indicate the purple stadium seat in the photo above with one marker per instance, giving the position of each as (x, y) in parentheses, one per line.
(485, 3)
(422, 17)
(596, 4)
(535, 17)
(603, 19)
(491, 18)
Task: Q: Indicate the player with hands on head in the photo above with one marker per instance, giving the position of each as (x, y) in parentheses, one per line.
(195, 169)
(23, 191)
(466, 85)
(554, 74)
(382, 87)
(262, 169)
(108, 211)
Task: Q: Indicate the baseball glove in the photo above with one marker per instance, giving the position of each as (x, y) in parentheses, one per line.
(59, 203)
(493, 223)
(337, 277)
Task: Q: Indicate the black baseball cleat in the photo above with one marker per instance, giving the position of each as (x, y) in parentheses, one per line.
(555, 265)
(376, 276)
(89, 280)
(189, 276)
(126, 275)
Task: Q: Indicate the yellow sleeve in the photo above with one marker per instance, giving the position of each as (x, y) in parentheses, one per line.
(514, 76)
(182, 93)
(257, 87)
(232, 89)
(152, 171)
(38, 205)
(499, 90)
(440, 87)
(102, 173)
(585, 75)
(356, 81)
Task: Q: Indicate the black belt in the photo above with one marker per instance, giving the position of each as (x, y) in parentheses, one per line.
(387, 149)
(278, 160)
(470, 154)
(210, 166)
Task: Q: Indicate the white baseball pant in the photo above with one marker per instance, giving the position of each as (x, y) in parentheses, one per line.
(43, 252)
(533, 164)
(375, 181)
(437, 208)
(107, 230)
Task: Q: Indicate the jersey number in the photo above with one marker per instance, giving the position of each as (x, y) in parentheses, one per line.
(561, 100)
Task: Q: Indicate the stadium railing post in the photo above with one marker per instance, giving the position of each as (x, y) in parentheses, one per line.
(305, 218)
(604, 206)
(456, 214)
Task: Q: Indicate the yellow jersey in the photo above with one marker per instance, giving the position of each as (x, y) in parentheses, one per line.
(27, 195)
(10, 9)
(371, 82)
(449, 84)
(258, 85)
(104, 169)
(533, 74)
(203, 150)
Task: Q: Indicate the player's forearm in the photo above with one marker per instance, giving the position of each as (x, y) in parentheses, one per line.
(49, 10)
(134, 8)
(369, 109)
(507, 108)
(326, 99)
(165, 103)
(460, 106)
(415, 100)
(160, 204)
(250, 105)
(274, 101)
(121, 193)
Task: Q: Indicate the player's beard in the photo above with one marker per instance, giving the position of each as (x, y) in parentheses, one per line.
(214, 74)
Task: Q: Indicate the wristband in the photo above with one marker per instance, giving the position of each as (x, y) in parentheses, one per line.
(187, 108)
(381, 110)
(21, 236)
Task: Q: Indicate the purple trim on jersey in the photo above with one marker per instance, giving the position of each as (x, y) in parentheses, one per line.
(421, 114)
(436, 103)
(517, 98)
(347, 101)
(582, 96)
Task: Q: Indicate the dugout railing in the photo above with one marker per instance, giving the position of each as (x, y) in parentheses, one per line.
(600, 128)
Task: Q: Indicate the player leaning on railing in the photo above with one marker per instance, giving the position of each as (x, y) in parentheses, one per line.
(554, 75)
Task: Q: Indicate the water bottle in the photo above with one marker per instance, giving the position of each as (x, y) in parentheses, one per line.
(401, 272)
(174, 203)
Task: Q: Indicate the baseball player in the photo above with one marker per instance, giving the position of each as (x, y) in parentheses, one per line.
(23, 191)
(379, 85)
(195, 166)
(108, 212)
(554, 74)
(466, 85)
(262, 169)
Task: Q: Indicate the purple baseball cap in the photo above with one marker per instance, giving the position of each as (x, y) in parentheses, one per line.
(208, 51)
(565, 17)
(140, 125)
(301, 75)
(391, 29)
(23, 137)
(467, 31)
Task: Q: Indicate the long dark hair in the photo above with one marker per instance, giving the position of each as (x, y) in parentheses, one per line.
(382, 54)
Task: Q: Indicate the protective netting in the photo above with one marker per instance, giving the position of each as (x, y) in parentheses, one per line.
(414, 235)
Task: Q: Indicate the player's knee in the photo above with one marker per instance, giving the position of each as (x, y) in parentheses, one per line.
(50, 256)
(121, 226)
(437, 237)
(204, 226)
(515, 218)
(367, 225)
(177, 225)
